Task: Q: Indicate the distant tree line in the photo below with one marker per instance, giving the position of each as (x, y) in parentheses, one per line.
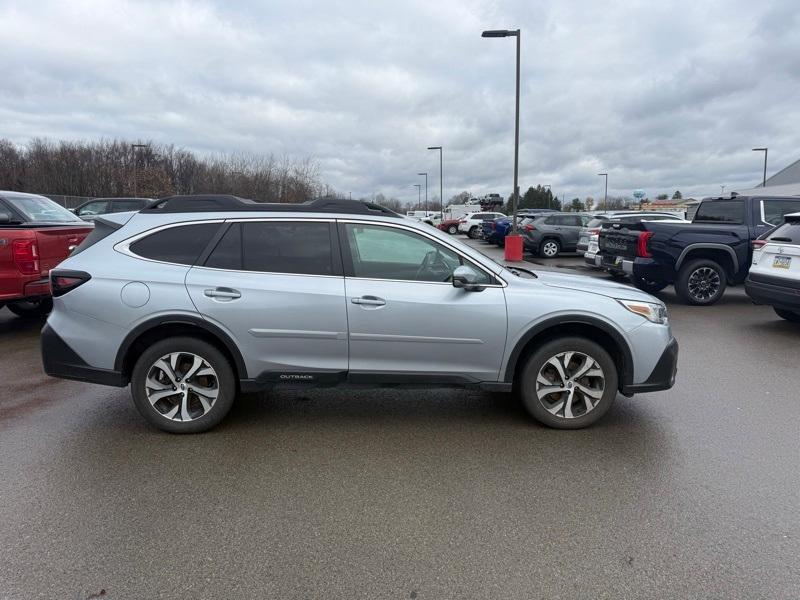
(116, 168)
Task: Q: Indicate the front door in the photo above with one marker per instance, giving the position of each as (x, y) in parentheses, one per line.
(406, 320)
(276, 286)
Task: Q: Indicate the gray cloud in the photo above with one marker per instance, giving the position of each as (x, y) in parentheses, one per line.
(663, 97)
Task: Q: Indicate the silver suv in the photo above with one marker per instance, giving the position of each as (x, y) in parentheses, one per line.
(197, 298)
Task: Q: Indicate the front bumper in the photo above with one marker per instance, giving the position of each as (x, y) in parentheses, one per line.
(663, 374)
(773, 291)
(61, 361)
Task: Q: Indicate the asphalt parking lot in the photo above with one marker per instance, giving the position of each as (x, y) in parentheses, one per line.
(690, 493)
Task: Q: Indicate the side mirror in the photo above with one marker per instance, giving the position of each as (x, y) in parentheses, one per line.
(466, 278)
(5, 217)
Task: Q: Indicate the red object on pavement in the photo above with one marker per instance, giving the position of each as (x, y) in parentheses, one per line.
(513, 247)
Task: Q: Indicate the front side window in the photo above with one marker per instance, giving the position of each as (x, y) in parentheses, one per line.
(721, 211)
(289, 247)
(181, 245)
(126, 205)
(775, 210)
(388, 253)
(93, 208)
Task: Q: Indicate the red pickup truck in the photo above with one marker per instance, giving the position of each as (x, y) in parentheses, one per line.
(35, 235)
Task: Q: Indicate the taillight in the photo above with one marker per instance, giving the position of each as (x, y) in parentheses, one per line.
(758, 244)
(529, 227)
(26, 256)
(62, 282)
(593, 231)
(641, 244)
(494, 225)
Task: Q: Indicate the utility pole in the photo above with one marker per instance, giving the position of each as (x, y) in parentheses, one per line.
(441, 186)
(135, 147)
(765, 151)
(605, 195)
(426, 191)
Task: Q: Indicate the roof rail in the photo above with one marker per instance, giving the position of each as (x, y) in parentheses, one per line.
(225, 203)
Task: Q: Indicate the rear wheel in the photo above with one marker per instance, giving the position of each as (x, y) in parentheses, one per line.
(183, 385)
(473, 232)
(789, 315)
(31, 309)
(701, 282)
(452, 230)
(549, 248)
(569, 383)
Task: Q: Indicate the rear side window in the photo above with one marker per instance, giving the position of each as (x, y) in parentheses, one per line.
(788, 233)
(276, 247)
(775, 210)
(182, 244)
(721, 211)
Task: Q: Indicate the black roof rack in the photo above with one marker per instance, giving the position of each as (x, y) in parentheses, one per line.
(223, 203)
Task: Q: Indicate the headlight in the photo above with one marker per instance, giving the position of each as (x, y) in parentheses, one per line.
(656, 313)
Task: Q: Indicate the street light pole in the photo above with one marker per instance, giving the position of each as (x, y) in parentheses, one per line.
(419, 196)
(512, 33)
(765, 151)
(134, 147)
(605, 196)
(441, 186)
(550, 196)
(721, 190)
(426, 190)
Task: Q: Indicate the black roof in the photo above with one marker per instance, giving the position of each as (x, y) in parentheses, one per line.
(224, 203)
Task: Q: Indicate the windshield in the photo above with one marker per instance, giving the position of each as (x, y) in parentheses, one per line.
(38, 209)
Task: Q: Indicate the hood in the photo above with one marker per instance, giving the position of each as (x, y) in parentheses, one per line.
(591, 285)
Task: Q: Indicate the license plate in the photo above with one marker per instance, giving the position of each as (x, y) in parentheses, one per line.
(782, 262)
(612, 260)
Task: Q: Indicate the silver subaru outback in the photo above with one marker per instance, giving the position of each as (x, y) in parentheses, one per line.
(197, 298)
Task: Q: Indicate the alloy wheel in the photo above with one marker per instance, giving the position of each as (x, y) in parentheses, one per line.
(570, 384)
(703, 283)
(550, 249)
(182, 386)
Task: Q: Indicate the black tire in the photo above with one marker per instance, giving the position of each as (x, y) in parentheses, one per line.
(651, 287)
(473, 232)
(789, 315)
(549, 248)
(618, 275)
(689, 284)
(31, 309)
(528, 381)
(452, 230)
(225, 385)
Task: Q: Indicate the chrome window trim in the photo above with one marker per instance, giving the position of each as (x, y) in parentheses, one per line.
(434, 239)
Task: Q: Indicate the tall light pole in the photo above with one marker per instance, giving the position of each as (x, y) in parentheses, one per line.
(765, 151)
(135, 147)
(605, 196)
(492, 33)
(551, 194)
(441, 187)
(419, 196)
(721, 190)
(426, 191)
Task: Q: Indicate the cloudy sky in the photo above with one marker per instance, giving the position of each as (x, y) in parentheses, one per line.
(662, 95)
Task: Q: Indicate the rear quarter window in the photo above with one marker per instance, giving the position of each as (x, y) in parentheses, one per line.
(181, 244)
(788, 233)
(721, 211)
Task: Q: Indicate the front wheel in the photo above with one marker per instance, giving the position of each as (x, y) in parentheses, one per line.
(646, 285)
(789, 315)
(473, 232)
(31, 309)
(183, 385)
(452, 230)
(569, 383)
(701, 282)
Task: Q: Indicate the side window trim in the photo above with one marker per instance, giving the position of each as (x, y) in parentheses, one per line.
(347, 257)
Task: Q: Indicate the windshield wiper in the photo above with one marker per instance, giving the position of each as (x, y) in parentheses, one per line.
(521, 269)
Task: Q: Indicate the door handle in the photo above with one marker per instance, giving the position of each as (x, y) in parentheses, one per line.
(224, 293)
(369, 301)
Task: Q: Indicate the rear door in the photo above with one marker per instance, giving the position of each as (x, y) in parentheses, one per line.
(276, 286)
(780, 256)
(406, 320)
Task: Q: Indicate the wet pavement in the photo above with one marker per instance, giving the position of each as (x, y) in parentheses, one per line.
(691, 493)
